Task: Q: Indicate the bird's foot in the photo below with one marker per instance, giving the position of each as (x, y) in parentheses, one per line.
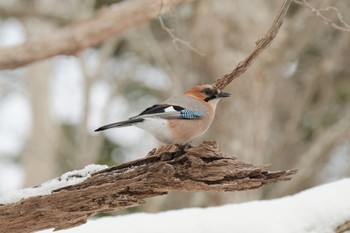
(182, 148)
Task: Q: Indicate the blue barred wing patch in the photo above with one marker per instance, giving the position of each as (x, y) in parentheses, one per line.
(191, 114)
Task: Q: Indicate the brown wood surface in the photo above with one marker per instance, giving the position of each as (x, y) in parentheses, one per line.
(201, 168)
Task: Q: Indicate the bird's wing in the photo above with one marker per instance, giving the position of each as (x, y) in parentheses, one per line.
(167, 111)
(164, 111)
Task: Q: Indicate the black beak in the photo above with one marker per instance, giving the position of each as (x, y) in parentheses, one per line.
(223, 95)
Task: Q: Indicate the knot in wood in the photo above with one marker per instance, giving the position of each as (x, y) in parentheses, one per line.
(167, 170)
(162, 169)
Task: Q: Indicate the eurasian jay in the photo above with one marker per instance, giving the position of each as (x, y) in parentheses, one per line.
(178, 119)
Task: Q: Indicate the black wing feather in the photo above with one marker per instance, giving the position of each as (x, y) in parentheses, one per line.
(120, 124)
(159, 108)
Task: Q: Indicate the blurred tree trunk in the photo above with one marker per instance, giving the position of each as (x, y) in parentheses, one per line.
(39, 156)
(242, 122)
(88, 145)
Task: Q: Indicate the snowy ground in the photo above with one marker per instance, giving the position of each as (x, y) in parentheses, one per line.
(317, 210)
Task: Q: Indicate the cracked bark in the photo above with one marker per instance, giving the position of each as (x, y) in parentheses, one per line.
(169, 168)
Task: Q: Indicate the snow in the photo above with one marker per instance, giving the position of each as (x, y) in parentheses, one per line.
(67, 179)
(319, 210)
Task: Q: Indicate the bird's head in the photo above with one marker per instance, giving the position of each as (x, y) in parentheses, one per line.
(207, 93)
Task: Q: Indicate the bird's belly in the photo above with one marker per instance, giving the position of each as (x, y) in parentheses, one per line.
(184, 131)
(158, 128)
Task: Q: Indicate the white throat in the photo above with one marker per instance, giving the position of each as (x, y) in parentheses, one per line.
(214, 102)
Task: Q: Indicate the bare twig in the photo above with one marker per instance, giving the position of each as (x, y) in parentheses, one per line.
(177, 40)
(106, 23)
(261, 44)
(201, 168)
(344, 27)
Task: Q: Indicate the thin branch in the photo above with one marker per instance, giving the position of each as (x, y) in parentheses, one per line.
(177, 40)
(201, 168)
(106, 23)
(344, 27)
(261, 44)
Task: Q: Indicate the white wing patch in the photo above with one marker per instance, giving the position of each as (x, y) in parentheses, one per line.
(170, 109)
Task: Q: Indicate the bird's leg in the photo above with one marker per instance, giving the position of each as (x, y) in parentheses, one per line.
(173, 150)
(182, 148)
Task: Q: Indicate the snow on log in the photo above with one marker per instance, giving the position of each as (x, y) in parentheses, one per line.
(169, 168)
(322, 209)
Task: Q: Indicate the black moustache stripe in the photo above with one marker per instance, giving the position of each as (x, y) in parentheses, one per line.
(209, 98)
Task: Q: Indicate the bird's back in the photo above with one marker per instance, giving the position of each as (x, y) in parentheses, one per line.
(187, 102)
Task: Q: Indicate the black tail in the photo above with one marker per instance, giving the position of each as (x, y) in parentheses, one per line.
(120, 124)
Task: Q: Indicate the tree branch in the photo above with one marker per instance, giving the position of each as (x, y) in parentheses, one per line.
(343, 26)
(201, 168)
(27, 12)
(343, 228)
(106, 23)
(261, 44)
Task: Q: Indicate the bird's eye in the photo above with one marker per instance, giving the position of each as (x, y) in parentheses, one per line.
(208, 91)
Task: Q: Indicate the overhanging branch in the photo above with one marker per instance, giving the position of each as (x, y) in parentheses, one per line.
(107, 22)
(261, 45)
(201, 168)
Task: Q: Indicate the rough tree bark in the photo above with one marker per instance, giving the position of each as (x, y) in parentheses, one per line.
(201, 168)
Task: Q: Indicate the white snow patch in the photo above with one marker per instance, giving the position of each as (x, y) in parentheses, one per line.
(317, 210)
(67, 179)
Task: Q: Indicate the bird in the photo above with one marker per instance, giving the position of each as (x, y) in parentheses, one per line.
(178, 119)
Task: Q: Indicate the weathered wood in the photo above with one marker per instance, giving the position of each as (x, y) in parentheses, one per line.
(170, 168)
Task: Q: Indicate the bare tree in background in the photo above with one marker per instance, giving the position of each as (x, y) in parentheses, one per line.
(38, 157)
(291, 108)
